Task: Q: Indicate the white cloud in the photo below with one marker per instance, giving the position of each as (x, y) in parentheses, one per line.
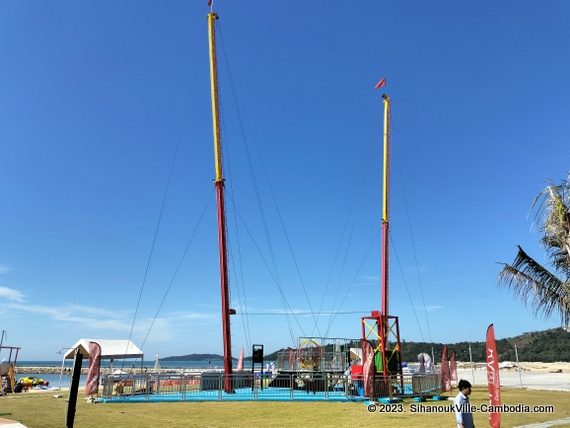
(4, 269)
(196, 315)
(367, 281)
(103, 321)
(11, 294)
(94, 318)
(431, 308)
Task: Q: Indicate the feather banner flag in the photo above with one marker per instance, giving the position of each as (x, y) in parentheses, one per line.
(291, 359)
(453, 366)
(92, 382)
(368, 368)
(240, 361)
(421, 360)
(381, 83)
(493, 380)
(444, 371)
(429, 363)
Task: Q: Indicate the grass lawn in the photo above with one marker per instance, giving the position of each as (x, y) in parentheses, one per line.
(42, 410)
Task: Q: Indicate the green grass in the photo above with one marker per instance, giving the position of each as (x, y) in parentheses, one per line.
(41, 410)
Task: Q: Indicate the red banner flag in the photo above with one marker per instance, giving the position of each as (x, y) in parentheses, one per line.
(368, 368)
(493, 380)
(444, 371)
(291, 359)
(381, 83)
(453, 366)
(92, 382)
(210, 3)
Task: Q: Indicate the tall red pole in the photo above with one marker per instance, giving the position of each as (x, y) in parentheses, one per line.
(385, 205)
(219, 184)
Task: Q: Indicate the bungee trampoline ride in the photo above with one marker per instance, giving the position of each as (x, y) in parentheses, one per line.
(318, 368)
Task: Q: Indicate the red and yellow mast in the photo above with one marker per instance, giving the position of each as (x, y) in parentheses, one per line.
(385, 206)
(219, 184)
(380, 326)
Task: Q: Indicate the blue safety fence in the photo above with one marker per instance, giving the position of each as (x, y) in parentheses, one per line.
(247, 386)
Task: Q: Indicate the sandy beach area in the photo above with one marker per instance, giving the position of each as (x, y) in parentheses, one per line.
(545, 376)
(558, 367)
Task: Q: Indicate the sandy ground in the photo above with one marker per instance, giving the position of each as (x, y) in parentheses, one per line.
(561, 367)
(546, 376)
(545, 367)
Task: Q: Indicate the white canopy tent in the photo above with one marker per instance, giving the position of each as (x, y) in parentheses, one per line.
(110, 349)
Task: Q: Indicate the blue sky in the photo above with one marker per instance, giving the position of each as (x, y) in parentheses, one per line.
(96, 99)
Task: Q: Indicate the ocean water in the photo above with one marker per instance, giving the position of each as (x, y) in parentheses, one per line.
(119, 364)
(63, 380)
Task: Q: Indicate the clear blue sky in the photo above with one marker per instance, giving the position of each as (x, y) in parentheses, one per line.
(95, 98)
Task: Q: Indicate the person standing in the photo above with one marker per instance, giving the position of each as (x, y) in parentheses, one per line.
(462, 407)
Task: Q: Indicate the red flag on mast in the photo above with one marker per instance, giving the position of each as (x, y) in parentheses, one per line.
(210, 3)
(444, 371)
(92, 382)
(493, 380)
(381, 83)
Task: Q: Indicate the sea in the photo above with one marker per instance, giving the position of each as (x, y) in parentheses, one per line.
(63, 379)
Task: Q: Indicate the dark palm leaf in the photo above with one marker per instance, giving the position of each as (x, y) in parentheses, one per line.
(534, 284)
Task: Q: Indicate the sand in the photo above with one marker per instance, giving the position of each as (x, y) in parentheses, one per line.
(545, 376)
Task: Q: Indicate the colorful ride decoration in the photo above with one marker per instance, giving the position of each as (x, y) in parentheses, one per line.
(384, 333)
(310, 354)
(383, 330)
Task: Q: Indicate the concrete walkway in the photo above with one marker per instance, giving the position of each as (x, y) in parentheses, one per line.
(7, 423)
(547, 424)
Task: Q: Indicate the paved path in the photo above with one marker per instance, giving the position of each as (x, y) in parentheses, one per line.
(7, 423)
(546, 424)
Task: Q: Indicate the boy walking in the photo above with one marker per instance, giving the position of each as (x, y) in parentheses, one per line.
(461, 404)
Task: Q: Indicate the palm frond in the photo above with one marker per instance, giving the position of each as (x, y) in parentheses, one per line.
(535, 285)
(553, 215)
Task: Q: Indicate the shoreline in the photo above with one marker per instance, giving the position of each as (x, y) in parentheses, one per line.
(18, 370)
(505, 366)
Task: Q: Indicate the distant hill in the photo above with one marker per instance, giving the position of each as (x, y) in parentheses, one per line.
(546, 346)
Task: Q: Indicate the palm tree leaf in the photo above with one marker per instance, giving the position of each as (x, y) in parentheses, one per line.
(537, 286)
(553, 214)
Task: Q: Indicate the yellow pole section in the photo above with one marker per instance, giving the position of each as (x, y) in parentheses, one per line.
(386, 143)
(214, 86)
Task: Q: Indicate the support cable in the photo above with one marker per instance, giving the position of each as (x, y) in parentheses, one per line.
(414, 247)
(275, 279)
(178, 267)
(242, 301)
(407, 289)
(163, 204)
(257, 191)
(354, 279)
